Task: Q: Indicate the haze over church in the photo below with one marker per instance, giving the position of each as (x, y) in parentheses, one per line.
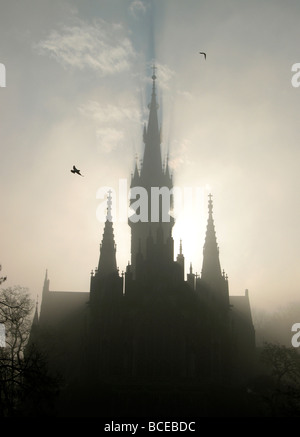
(153, 335)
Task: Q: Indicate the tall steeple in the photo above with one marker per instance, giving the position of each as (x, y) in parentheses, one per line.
(212, 275)
(211, 268)
(107, 261)
(151, 171)
(156, 182)
(106, 281)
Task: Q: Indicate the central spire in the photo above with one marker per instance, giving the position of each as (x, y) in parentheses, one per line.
(153, 78)
(156, 182)
(151, 172)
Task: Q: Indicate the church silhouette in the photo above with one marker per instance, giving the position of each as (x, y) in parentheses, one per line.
(149, 341)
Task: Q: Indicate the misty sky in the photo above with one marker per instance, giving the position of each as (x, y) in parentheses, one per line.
(78, 82)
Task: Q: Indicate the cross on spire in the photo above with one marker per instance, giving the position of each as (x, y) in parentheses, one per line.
(153, 71)
(109, 204)
(210, 204)
(153, 85)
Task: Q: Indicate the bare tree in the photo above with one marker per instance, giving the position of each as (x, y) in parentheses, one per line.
(23, 370)
(2, 278)
(282, 394)
(283, 362)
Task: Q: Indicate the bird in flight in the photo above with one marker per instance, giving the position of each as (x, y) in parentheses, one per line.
(75, 170)
(202, 53)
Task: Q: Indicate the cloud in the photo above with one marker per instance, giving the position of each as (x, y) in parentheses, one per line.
(137, 7)
(186, 95)
(179, 154)
(110, 113)
(109, 139)
(99, 46)
(112, 122)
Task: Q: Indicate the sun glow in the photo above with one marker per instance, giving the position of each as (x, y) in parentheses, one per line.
(190, 227)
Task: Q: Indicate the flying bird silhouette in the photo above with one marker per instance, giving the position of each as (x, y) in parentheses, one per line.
(202, 53)
(76, 171)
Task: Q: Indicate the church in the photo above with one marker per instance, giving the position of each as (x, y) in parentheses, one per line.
(152, 340)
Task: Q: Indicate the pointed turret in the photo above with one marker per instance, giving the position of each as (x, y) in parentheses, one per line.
(151, 172)
(191, 278)
(45, 296)
(167, 174)
(180, 259)
(135, 179)
(211, 268)
(35, 320)
(212, 275)
(107, 261)
(33, 336)
(167, 169)
(46, 283)
(106, 281)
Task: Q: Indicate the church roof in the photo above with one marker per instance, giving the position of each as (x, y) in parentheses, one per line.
(59, 305)
(241, 308)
